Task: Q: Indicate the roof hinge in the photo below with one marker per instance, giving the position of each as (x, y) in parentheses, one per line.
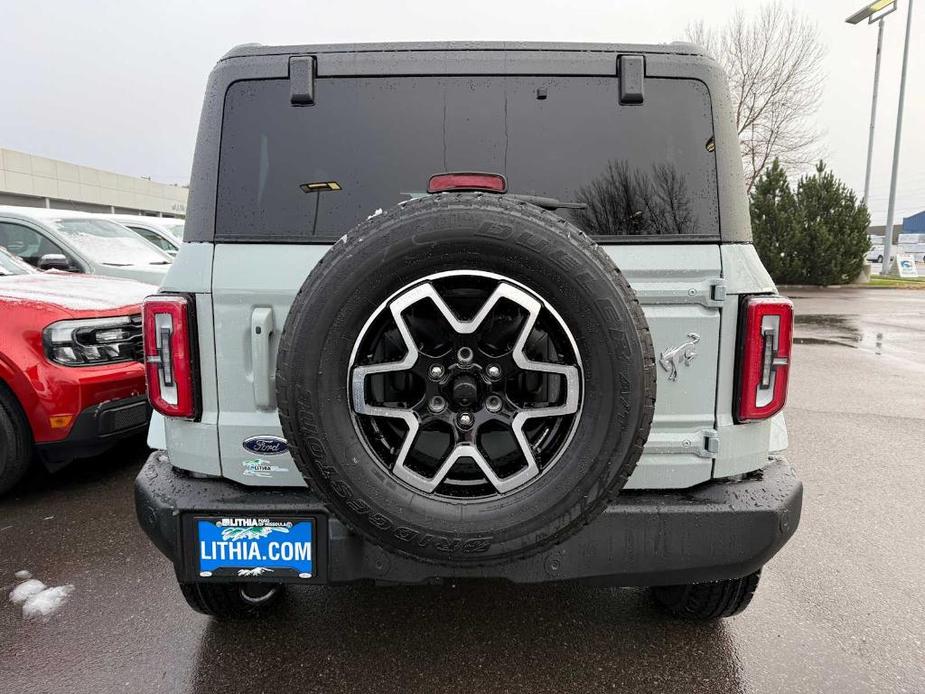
(631, 69)
(302, 80)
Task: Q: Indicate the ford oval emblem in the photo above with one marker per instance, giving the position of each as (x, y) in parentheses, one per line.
(265, 445)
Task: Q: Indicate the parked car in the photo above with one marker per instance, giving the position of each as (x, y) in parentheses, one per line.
(875, 254)
(174, 226)
(80, 242)
(71, 378)
(916, 250)
(427, 298)
(166, 234)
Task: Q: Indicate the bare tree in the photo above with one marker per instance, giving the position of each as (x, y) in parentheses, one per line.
(774, 63)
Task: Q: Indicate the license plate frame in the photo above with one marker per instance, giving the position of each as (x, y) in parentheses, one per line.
(253, 529)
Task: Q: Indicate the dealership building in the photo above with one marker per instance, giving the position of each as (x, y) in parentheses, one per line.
(32, 181)
(914, 224)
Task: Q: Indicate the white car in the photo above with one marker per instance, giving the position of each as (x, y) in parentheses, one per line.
(80, 242)
(917, 251)
(164, 232)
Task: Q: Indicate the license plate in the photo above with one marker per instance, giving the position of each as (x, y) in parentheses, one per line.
(267, 549)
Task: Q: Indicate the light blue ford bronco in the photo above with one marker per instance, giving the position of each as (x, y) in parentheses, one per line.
(468, 310)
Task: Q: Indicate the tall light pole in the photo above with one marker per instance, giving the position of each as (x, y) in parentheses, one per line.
(891, 207)
(873, 112)
(874, 12)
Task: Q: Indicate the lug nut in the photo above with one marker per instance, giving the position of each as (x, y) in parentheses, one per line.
(493, 403)
(464, 355)
(436, 372)
(493, 371)
(436, 404)
(465, 420)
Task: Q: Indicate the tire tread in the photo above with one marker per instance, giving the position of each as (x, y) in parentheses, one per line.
(714, 600)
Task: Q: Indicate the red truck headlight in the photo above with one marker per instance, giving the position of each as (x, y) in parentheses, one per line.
(93, 341)
(765, 341)
(169, 358)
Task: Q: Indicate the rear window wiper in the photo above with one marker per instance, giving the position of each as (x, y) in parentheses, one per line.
(548, 203)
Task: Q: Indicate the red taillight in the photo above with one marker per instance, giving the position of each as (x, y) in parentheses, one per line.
(168, 355)
(488, 182)
(765, 338)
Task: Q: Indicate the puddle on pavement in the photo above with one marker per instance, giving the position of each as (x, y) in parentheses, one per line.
(832, 329)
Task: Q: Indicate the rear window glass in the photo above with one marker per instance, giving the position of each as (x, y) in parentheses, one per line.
(369, 143)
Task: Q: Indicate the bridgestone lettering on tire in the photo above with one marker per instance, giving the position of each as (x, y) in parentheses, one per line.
(466, 379)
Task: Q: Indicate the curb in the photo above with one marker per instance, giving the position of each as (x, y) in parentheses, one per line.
(899, 285)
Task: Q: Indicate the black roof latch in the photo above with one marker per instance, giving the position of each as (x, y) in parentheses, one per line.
(631, 69)
(302, 80)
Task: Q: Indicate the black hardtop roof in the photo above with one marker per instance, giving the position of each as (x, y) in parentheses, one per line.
(676, 60)
(675, 48)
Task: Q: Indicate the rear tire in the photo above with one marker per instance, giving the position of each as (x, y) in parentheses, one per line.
(16, 438)
(714, 600)
(232, 600)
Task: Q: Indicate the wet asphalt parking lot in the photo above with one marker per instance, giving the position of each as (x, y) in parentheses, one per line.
(840, 609)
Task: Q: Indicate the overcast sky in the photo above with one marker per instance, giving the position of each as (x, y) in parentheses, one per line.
(118, 84)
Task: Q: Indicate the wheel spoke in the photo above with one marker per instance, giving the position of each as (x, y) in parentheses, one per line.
(570, 373)
(426, 290)
(430, 484)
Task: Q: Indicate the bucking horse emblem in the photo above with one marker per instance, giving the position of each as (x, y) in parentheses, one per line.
(684, 353)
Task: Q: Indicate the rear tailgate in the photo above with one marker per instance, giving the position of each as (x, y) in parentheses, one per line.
(677, 286)
(682, 294)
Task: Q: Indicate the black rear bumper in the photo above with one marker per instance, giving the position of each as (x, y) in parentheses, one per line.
(715, 531)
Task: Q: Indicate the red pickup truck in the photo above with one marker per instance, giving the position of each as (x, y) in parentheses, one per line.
(72, 381)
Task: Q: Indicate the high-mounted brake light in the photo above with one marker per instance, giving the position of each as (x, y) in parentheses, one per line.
(168, 355)
(765, 338)
(486, 182)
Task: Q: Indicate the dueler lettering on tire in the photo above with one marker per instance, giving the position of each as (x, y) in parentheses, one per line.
(466, 379)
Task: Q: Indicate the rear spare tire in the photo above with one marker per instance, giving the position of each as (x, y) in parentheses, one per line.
(466, 379)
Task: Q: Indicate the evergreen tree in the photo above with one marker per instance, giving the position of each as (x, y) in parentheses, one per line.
(774, 225)
(816, 236)
(833, 227)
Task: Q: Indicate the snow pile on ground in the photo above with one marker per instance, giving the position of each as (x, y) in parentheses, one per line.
(43, 605)
(26, 590)
(38, 601)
